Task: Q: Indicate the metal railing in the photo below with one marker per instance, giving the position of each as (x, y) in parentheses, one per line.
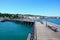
(33, 33)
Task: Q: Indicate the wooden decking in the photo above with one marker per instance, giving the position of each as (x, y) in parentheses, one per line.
(44, 33)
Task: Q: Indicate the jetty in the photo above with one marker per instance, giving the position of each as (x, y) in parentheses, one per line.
(26, 20)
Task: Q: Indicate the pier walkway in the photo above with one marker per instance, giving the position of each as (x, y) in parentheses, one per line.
(44, 33)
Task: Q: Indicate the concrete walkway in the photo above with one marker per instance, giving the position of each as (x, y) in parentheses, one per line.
(44, 33)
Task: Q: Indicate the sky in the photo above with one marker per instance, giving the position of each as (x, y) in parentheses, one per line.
(34, 7)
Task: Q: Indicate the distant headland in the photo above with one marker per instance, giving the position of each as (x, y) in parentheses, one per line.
(12, 16)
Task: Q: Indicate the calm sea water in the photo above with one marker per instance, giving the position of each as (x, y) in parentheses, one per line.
(14, 31)
(56, 21)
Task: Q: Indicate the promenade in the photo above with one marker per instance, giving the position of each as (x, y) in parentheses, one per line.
(44, 33)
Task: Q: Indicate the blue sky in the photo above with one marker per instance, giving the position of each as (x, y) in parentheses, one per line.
(34, 7)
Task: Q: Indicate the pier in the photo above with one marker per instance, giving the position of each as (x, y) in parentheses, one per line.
(40, 30)
(26, 20)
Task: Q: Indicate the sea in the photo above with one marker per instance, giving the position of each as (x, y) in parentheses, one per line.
(55, 21)
(14, 31)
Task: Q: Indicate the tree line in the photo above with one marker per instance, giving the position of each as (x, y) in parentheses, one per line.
(8, 15)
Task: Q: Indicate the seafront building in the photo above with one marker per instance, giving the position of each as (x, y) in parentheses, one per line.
(29, 17)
